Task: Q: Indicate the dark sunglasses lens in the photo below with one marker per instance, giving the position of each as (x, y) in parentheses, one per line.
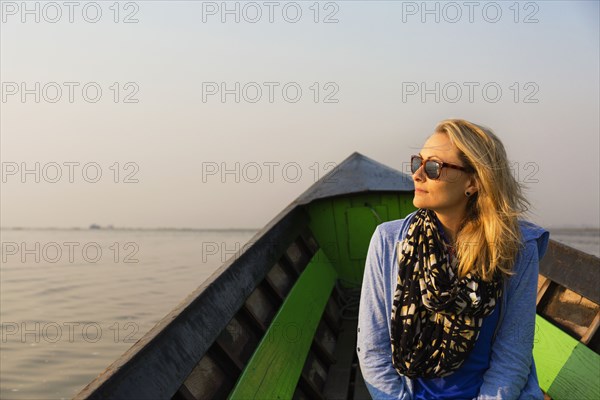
(415, 164)
(432, 169)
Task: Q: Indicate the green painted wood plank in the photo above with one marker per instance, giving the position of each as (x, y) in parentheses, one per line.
(275, 367)
(579, 378)
(360, 200)
(361, 225)
(551, 350)
(329, 223)
(406, 204)
(323, 228)
(356, 230)
(566, 368)
(391, 201)
(344, 265)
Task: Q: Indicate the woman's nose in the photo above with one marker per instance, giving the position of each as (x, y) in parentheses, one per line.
(418, 175)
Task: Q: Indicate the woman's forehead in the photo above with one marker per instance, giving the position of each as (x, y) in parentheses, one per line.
(440, 145)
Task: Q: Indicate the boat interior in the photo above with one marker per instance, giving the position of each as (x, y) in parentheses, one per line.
(278, 320)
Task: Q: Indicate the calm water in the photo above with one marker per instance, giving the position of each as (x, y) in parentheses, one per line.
(587, 240)
(69, 314)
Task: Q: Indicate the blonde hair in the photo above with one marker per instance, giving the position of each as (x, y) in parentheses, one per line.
(489, 238)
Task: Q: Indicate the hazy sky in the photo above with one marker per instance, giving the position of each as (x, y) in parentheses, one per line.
(310, 93)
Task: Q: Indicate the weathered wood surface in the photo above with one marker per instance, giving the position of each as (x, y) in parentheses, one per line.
(572, 269)
(338, 379)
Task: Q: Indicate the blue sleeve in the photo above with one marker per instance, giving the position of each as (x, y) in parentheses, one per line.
(373, 340)
(511, 374)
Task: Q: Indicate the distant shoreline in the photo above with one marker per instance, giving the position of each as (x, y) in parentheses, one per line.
(569, 229)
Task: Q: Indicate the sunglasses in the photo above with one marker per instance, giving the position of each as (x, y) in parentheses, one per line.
(433, 169)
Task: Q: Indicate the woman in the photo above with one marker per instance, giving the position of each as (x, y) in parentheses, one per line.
(447, 306)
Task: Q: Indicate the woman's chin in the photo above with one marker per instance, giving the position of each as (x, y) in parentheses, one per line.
(418, 203)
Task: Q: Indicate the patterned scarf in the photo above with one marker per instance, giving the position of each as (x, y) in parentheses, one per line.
(436, 317)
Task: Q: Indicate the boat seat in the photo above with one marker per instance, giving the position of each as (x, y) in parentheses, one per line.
(566, 368)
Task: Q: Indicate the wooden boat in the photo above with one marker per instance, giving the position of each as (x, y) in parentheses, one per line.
(278, 319)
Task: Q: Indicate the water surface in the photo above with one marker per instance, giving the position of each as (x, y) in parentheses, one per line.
(71, 312)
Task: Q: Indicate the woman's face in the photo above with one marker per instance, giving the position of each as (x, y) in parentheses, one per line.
(447, 193)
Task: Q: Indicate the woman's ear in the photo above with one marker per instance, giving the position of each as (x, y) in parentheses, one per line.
(472, 186)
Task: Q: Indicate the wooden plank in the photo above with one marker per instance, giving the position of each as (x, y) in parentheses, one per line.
(551, 350)
(392, 202)
(565, 367)
(572, 269)
(338, 377)
(592, 329)
(280, 279)
(344, 264)
(314, 374)
(322, 225)
(361, 222)
(276, 366)
(545, 284)
(310, 241)
(211, 379)
(360, 388)
(579, 378)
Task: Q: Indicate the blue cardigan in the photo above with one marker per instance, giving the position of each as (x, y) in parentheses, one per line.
(511, 373)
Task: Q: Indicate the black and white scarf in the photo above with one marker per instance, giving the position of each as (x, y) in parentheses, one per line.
(436, 317)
